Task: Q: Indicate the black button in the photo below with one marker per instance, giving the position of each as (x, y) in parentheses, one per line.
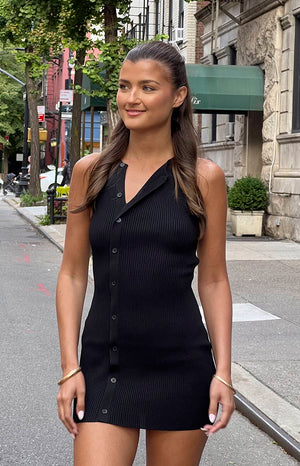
(119, 194)
(114, 317)
(119, 220)
(114, 250)
(113, 380)
(115, 348)
(113, 283)
(122, 164)
(104, 411)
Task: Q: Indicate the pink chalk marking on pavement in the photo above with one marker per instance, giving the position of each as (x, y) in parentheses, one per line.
(26, 258)
(43, 289)
(22, 246)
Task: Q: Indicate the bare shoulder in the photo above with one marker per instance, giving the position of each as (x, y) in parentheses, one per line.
(209, 176)
(86, 163)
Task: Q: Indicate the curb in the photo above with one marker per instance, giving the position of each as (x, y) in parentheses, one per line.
(35, 225)
(258, 418)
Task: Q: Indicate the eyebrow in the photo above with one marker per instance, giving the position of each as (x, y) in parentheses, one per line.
(144, 81)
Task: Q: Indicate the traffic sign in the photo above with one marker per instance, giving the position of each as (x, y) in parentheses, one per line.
(41, 113)
(66, 96)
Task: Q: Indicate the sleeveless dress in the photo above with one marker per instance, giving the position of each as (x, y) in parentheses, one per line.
(145, 356)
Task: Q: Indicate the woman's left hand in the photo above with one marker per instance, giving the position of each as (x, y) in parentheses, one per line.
(221, 395)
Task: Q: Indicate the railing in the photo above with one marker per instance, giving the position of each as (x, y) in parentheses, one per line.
(56, 207)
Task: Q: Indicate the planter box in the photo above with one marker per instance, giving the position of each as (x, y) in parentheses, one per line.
(247, 223)
(228, 219)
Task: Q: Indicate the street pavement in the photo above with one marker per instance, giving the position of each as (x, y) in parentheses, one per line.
(264, 277)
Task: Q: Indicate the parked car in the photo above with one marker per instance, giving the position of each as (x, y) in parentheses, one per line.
(48, 178)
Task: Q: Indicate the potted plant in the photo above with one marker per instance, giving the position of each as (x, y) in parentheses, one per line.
(248, 200)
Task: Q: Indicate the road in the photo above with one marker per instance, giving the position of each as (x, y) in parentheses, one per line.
(30, 432)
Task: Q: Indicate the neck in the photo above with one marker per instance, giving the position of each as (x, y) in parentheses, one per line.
(154, 147)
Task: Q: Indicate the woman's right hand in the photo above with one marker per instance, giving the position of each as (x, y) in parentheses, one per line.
(74, 387)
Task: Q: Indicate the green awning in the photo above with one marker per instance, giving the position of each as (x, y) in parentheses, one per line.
(87, 101)
(226, 88)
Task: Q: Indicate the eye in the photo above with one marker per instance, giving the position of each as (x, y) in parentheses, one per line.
(148, 88)
(122, 86)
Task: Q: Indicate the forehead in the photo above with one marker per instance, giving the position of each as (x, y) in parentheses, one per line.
(145, 70)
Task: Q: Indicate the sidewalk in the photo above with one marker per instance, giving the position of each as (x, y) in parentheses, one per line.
(266, 326)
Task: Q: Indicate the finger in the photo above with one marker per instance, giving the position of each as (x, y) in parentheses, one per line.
(80, 405)
(68, 418)
(213, 409)
(61, 414)
(227, 411)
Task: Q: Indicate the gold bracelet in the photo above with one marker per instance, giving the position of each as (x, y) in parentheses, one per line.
(69, 375)
(226, 383)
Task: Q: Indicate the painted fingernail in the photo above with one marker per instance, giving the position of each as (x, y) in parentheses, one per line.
(203, 429)
(212, 418)
(73, 436)
(80, 415)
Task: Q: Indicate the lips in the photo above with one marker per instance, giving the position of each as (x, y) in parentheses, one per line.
(133, 112)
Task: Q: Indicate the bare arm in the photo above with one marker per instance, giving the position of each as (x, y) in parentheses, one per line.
(213, 286)
(70, 294)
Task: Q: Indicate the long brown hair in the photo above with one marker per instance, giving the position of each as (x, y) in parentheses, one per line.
(183, 135)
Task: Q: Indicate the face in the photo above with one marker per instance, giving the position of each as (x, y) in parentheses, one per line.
(146, 95)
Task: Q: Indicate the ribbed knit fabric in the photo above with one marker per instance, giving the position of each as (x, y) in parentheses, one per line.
(145, 355)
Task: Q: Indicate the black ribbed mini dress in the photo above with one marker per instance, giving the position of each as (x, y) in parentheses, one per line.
(146, 357)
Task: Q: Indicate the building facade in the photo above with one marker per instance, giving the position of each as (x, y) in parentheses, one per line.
(264, 143)
(173, 18)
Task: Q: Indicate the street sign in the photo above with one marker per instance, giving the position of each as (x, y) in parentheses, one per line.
(19, 157)
(66, 96)
(41, 113)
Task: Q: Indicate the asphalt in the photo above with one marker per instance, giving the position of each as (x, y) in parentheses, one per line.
(265, 278)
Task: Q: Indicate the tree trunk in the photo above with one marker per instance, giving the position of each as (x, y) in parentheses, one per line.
(111, 32)
(76, 112)
(112, 117)
(32, 94)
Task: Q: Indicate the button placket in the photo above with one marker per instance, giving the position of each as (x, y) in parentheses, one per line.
(115, 251)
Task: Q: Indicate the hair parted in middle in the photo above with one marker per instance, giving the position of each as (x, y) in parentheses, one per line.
(184, 137)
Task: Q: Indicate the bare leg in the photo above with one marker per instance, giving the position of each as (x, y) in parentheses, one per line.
(174, 448)
(100, 444)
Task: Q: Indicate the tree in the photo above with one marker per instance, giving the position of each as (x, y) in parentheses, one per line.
(11, 104)
(32, 25)
(82, 20)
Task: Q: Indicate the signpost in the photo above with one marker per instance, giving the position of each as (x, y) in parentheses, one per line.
(66, 97)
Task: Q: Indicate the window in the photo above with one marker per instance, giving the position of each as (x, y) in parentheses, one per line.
(181, 14)
(296, 94)
(170, 32)
(214, 115)
(232, 61)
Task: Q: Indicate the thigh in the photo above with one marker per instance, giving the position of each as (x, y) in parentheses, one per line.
(100, 444)
(174, 448)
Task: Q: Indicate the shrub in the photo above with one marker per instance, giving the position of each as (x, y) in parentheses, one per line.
(248, 194)
(44, 219)
(27, 200)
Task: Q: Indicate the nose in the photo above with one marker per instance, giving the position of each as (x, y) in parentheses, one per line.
(134, 96)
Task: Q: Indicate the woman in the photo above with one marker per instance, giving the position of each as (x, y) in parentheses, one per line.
(146, 204)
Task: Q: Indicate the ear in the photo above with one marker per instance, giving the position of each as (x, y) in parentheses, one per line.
(180, 96)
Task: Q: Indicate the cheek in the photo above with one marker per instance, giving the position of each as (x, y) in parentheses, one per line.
(120, 99)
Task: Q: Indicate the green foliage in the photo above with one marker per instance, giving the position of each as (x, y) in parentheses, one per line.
(248, 194)
(62, 191)
(31, 25)
(11, 101)
(27, 200)
(44, 219)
